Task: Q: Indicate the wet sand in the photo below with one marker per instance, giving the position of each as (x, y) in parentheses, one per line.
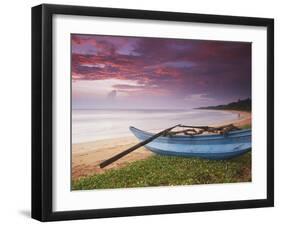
(243, 118)
(86, 157)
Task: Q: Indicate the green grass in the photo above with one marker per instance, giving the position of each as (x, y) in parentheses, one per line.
(169, 171)
(246, 126)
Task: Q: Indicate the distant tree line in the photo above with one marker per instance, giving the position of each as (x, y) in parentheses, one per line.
(240, 105)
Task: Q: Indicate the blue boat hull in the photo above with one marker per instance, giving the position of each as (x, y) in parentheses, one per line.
(212, 146)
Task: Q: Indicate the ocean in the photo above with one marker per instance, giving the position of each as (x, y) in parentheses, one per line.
(92, 125)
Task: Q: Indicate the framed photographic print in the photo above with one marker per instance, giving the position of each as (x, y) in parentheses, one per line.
(146, 112)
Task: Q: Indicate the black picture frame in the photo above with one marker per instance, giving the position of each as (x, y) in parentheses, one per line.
(42, 107)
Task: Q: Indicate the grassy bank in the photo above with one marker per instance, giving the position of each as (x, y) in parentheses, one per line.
(165, 170)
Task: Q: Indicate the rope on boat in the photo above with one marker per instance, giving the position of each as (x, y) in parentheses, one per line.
(196, 130)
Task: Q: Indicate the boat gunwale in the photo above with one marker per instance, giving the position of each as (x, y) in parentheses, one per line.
(200, 137)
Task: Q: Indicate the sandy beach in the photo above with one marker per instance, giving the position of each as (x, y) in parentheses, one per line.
(87, 156)
(243, 118)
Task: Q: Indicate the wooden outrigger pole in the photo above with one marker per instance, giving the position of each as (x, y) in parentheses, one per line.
(129, 150)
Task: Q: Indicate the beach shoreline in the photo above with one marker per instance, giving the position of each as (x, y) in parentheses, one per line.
(87, 156)
(243, 118)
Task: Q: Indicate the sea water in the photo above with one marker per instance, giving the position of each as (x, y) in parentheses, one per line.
(92, 125)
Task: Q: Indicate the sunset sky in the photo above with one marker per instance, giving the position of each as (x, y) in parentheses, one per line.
(155, 73)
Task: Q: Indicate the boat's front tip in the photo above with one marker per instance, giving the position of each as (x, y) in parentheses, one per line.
(132, 129)
(141, 135)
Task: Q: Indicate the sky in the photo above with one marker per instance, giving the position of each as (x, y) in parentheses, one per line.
(119, 72)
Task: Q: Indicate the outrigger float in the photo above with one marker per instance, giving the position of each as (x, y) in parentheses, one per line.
(222, 142)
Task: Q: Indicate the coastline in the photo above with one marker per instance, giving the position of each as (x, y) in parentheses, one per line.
(243, 118)
(87, 156)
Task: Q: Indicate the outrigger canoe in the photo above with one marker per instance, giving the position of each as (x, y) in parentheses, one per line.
(221, 142)
(209, 146)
